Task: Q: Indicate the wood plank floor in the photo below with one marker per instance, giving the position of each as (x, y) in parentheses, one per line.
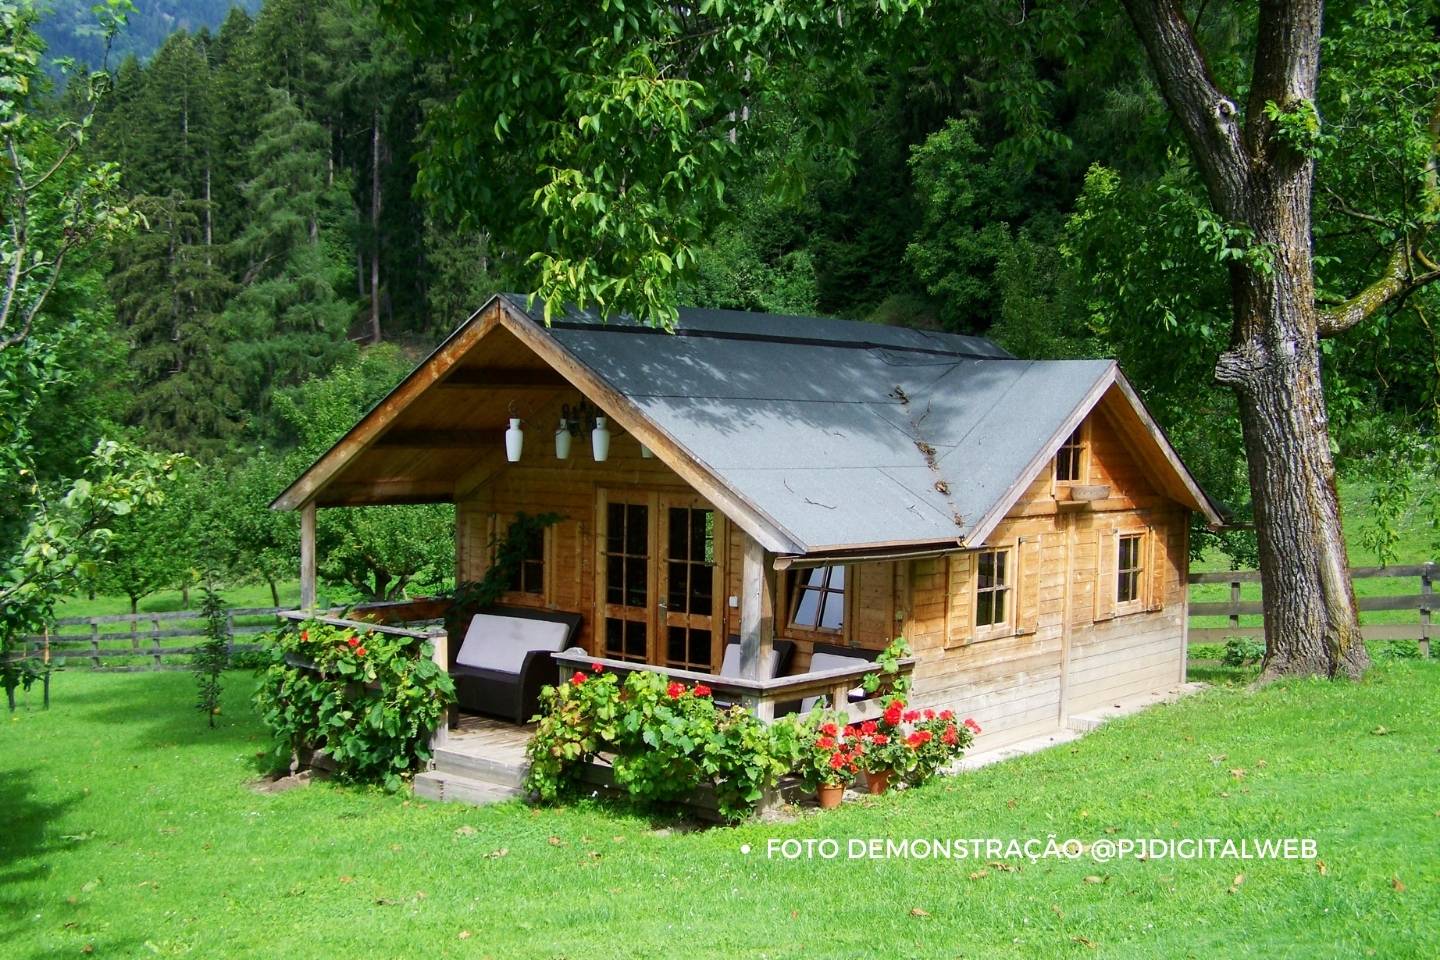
(496, 740)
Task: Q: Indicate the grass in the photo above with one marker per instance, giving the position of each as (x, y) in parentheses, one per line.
(132, 829)
(167, 601)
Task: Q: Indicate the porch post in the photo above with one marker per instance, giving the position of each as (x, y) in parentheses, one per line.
(757, 617)
(307, 556)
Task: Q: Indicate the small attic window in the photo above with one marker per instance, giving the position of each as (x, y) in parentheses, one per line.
(1070, 458)
(818, 599)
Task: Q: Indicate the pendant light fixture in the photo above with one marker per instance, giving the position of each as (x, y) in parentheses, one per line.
(514, 440)
(562, 440)
(600, 440)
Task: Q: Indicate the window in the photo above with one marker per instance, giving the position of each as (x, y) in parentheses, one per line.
(992, 588)
(817, 601)
(1069, 459)
(1129, 567)
(529, 574)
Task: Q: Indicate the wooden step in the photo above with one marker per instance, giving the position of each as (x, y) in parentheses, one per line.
(505, 772)
(454, 788)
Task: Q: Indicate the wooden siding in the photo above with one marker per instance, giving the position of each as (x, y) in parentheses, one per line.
(1066, 646)
(1025, 679)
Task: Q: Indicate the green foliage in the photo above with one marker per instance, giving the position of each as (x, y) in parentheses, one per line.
(1242, 651)
(212, 655)
(667, 740)
(67, 536)
(370, 700)
(508, 552)
(631, 120)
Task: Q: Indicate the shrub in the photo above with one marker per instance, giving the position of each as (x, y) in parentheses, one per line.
(368, 699)
(1241, 651)
(666, 740)
(1400, 650)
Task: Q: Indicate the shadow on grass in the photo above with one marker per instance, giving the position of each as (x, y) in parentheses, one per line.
(158, 709)
(1218, 674)
(28, 838)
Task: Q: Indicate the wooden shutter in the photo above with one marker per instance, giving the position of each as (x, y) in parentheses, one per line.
(1159, 568)
(1027, 584)
(961, 599)
(1105, 575)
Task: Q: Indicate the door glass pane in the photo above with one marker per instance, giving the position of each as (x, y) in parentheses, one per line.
(679, 534)
(615, 528)
(614, 578)
(636, 588)
(677, 595)
(637, 519)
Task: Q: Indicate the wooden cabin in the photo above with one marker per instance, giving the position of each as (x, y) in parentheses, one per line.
(1023, 524)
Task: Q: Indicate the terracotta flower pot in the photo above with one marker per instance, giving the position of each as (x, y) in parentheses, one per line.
(878, 781)
(830, 795)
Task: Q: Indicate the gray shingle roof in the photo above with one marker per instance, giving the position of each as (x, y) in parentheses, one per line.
(821, 424)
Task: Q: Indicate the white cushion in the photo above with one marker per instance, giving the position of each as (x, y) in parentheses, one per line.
(495, 642)
(730, 666)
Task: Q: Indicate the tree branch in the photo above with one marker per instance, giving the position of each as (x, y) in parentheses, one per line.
(1396, 283)
(1206, 115)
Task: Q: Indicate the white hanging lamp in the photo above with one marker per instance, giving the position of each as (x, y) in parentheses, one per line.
(514, 440)
(600, 440)
(562, 440)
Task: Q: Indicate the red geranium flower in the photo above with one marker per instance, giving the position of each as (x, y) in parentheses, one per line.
(974, 727)
(929, 714)
(676, 690)
(914, 740)
(869, 727)
(837, 760)
(701, 690)
(360, 652)
(825, 743)
(879, 739)
(911, 716)
(925, 736)
(892, 713)
(951, 736)
(829, 729)
(304, 634)
(353, 641)
(947, 714)
(579, 678)
(597, 667)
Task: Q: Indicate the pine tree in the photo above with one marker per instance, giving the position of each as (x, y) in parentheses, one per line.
(290, 319)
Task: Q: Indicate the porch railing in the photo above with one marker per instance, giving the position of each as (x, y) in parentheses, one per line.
(760, 697)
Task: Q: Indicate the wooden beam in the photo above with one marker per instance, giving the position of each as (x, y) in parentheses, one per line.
(444, 439)
(507, 378)
(307, 556)
(381, 492)
(757, 610)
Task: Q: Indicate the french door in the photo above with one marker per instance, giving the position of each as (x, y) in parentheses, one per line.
(660, 578)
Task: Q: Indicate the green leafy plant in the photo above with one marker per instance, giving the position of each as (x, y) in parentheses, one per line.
(665, 740)
(1242, 651)
(212, 656)
(368, 699)
(1400, 650)
(888, 679)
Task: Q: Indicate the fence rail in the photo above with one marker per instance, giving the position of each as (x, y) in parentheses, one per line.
(83, 639)
(1422, 602)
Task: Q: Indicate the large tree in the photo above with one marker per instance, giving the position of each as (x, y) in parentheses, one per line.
(1256, 158)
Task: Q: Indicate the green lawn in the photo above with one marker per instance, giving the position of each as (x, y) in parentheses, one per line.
(132, 829)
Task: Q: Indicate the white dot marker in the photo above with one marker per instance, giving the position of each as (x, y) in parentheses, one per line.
(744, 848)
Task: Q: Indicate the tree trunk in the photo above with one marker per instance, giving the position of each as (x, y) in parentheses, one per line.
(1255, 178)
(274, 593)
(375, 197)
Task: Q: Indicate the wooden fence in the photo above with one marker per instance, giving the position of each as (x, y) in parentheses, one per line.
(142, 641)
(1235, 607)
